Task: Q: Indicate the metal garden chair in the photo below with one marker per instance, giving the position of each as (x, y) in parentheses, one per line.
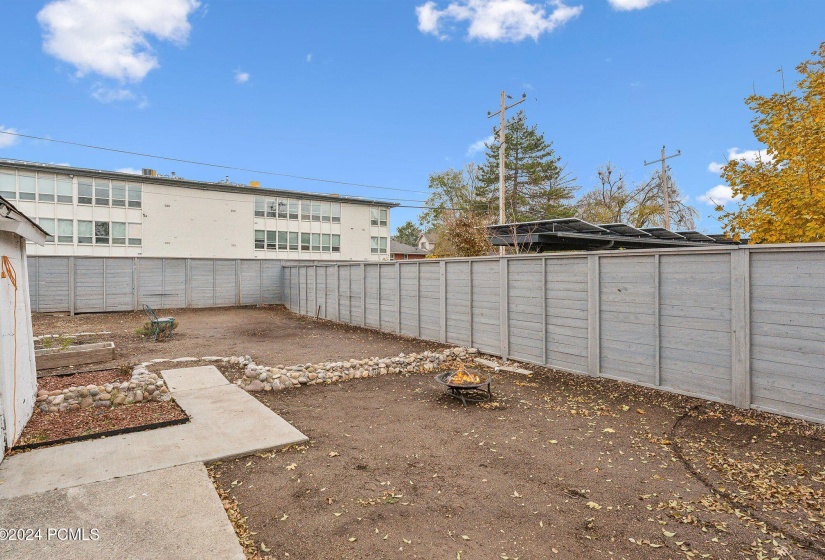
(158, 324)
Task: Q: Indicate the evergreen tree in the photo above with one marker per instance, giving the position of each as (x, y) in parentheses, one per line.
(408, 234)
(535, 185)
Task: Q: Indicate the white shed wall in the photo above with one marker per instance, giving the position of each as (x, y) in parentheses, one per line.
(19, 399)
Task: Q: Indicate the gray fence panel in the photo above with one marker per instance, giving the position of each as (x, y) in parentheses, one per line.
(273, 281)
(410, 298)
(118, 284)
(226, 283)
(89, 285)
(566, 312)
(372, 315)
(430, 305)
(356, 296)
(788, 332)
(150, 282)
(389, 319)
(251, 278)
(486, 300)
(526, 310)
(344, 296)
(695, 324)
(202, 282)
(321, 290)
(458, 303)
(49, 283)
(174, 283)
(627, 318)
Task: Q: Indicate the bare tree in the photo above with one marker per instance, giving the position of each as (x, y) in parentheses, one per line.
(608, 201)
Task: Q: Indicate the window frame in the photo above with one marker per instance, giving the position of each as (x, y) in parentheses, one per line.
(273, 244)
(11, 181)
(66, 182)
(260, 239)
(336, 212)
(133, 241)
(336, 243)
(99, 188)
(315, 243)
(283, 240)
(283, 204)
(89, 239)
(85, 191)
(48, 224)
(306, 211)
(326, 243)
(293, 210)
(122, 238)
(296, 245)
(305, 241)
(260, 207)
(108, 228)
(43, 180)
(271, 207)
(61, 237)
(29, 194)
(118, 202)
(131, 201)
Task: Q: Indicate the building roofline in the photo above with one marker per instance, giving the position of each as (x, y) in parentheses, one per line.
(22, 226)
(189, 183)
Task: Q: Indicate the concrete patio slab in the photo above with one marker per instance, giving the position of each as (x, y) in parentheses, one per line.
(168, 513)
(187, 379)
(226, 421)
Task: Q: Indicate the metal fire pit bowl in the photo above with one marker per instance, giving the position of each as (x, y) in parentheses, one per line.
(471, 392)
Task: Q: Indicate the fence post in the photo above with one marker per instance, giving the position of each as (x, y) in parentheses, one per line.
(135, 283)
(418, 299)
(442, 299)
(593, 316)
(378, 273)
(363, 295)
(657, 322)
(238, 284)
(503, 304)
(187, 273)
(544, 311)
(470, 302)
(397, 297)
(72, 287)
(740, 328)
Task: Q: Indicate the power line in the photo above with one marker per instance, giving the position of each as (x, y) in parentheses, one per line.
(215, 165)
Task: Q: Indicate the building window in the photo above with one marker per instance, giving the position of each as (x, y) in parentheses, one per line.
(8, 185)
(135, 195)
(48, 225)
(101, 233)
(118, 194)
(272, 240)
(118, 233)
(260, 236)
(316, 211)
(64, 189)
(272, 208)
(326, 212)
(316, 242)
(283, 209)
(85, 191)
(305, 242)
(293, 209)
(293, 240)
(26, 184)
(378, 216)
(260, 205)
(65, 231)
(306, 210)
(336, 213)
(325, 242)
(45, 187)
(378, 245)
(336, 243)
(134, 234)
(102, 192)
(282, 240)
(85, 232)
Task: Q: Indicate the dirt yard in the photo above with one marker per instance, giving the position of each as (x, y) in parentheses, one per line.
(556, 466)
(270, 335)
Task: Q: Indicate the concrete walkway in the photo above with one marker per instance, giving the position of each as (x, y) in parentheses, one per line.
(170, 513)
(226, 421)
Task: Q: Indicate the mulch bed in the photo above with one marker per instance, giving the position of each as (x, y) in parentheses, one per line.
(60, 382)
(57, 426)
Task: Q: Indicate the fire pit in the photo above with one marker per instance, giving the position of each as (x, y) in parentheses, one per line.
(466, 386)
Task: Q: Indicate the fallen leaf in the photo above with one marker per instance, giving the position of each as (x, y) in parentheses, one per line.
(352, 539)
(465, 537)
(264, 548)
(408, 541)
(291, 467)
(333, 454)
(609, 430)
(640, 411)
(284, 518)
(668, 534)
(593, 505)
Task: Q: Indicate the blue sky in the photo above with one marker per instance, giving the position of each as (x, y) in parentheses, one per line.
(386, 92)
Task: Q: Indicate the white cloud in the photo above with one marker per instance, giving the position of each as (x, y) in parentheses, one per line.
(109, 95)
(749, 156)
(241, 77)
(627, 5)
(131, 170)
(7, 140)
(111, 37)
(497, 20)
(479, 146)
(719, 195)
(309, 57)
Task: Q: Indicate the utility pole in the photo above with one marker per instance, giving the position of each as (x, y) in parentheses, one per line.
(501, 139)
(665, 185)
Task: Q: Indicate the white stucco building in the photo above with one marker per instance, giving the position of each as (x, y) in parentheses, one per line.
(105, 213)
(18, 375)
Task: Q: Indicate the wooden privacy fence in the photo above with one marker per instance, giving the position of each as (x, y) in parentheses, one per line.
(93, 284)
(744, 326)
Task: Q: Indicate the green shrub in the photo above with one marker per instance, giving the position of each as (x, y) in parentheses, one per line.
(147, 329)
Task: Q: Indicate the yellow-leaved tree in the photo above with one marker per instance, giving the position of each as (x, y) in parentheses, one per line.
(783, 194)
